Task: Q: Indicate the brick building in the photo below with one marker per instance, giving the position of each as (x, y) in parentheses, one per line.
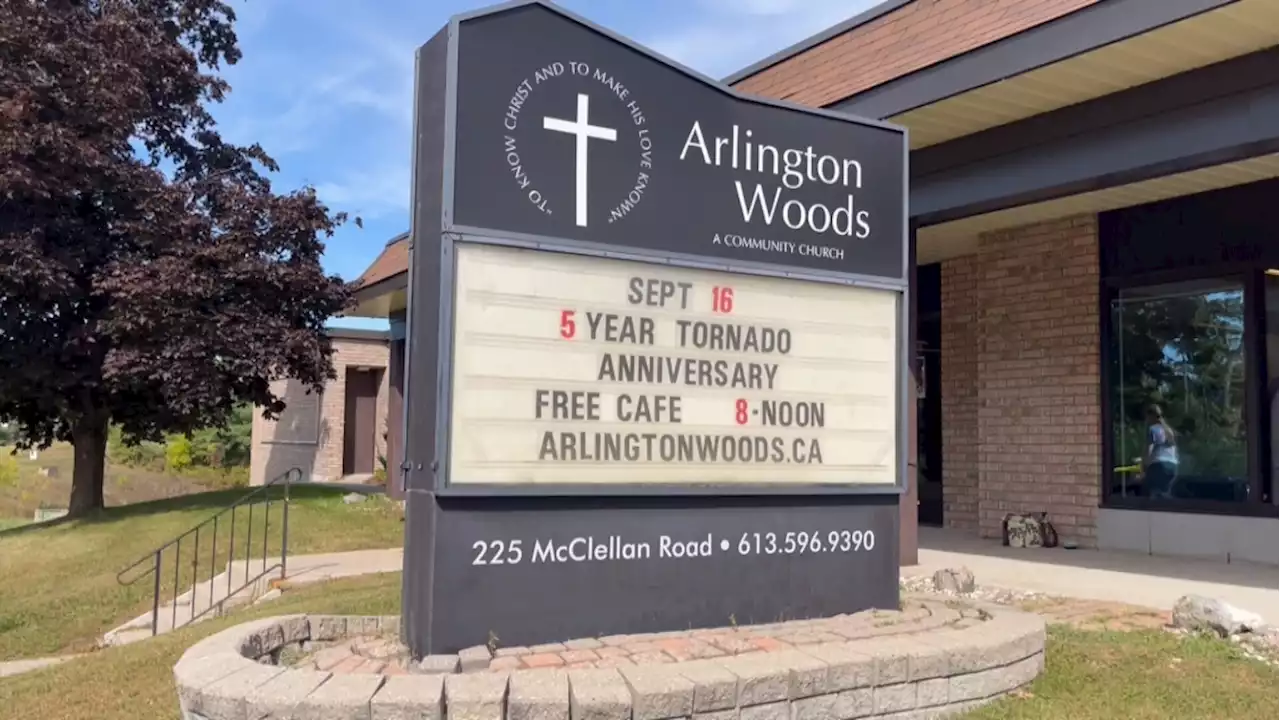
(1093, 228)
(340, 433)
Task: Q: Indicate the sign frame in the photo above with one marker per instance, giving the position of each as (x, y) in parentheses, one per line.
(444, 407)
(452, 234)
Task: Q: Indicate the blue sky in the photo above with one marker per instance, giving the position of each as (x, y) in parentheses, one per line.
(326, 86)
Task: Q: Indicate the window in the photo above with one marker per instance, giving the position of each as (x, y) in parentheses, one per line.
(1269, 400)
(1177, 392)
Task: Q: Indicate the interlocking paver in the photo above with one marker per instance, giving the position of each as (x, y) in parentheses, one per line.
(382, 653)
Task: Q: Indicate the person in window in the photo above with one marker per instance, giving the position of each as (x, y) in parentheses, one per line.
(1160, 461)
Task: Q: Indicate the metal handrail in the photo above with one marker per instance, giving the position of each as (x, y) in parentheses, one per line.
(153, 559)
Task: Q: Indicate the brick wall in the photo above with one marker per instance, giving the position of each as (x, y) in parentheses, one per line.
(276, 449)
(902, 41)
(1020, 394)
(959, 386)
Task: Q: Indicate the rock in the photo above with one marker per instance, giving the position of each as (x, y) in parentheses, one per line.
(1200, 613)
(954, 580)
(353, 498)
(1265, 637)
(47, 514)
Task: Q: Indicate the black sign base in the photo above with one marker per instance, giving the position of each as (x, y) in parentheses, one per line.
(525, 571)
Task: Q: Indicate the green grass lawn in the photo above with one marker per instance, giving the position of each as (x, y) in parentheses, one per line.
(135, 682)
(1090, 675)
(59, 592)
(1142, 675)
(22, 495)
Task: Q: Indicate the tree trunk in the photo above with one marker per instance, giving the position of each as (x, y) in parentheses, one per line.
(89, 437)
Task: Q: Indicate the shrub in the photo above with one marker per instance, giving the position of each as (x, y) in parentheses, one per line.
(226, 446)
(8, 469)
(219, 478)
(177, 453)
(205, 450)
(218, 457)
(146, 455)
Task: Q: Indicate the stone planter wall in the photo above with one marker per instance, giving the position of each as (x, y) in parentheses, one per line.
(938, 673)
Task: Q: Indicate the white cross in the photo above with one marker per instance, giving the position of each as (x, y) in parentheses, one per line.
(582, 131)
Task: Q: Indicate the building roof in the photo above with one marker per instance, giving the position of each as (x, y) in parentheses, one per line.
(393, 260)
(814, 40)
(893, 39)
(345, 333)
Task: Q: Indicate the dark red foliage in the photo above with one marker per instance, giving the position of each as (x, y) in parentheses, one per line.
(128, 296)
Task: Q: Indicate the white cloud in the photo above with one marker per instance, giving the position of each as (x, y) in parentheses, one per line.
(290, 104)
(329, 94)
(736, 33)
(371, 192)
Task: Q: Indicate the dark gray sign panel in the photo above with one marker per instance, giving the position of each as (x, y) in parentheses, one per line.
(564, 132)
(536, 130)
(535, 571)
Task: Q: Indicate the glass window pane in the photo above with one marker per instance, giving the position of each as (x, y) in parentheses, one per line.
(1177, 392)
(1272, 318)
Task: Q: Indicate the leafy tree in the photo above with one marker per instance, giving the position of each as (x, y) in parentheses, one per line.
(149, 275)
(1184, 352)
(228, 445)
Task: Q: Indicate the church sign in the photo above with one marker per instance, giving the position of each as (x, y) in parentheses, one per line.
(657, 349)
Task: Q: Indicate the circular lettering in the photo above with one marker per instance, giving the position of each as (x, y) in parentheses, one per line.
(607, 88)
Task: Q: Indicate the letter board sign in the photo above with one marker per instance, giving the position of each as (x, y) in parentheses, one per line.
(655, 374)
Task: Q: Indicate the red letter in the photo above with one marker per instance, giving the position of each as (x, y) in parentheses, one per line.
(722, 299)
(567, 326)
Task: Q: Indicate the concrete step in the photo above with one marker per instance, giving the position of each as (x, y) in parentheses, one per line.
(208, 599)
(210, 596)
(125, 636)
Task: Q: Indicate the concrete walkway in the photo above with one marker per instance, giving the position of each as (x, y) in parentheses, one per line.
(302, 569)
(214, 593)
(1151, 581)
(1136, 579)
(17, 667)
